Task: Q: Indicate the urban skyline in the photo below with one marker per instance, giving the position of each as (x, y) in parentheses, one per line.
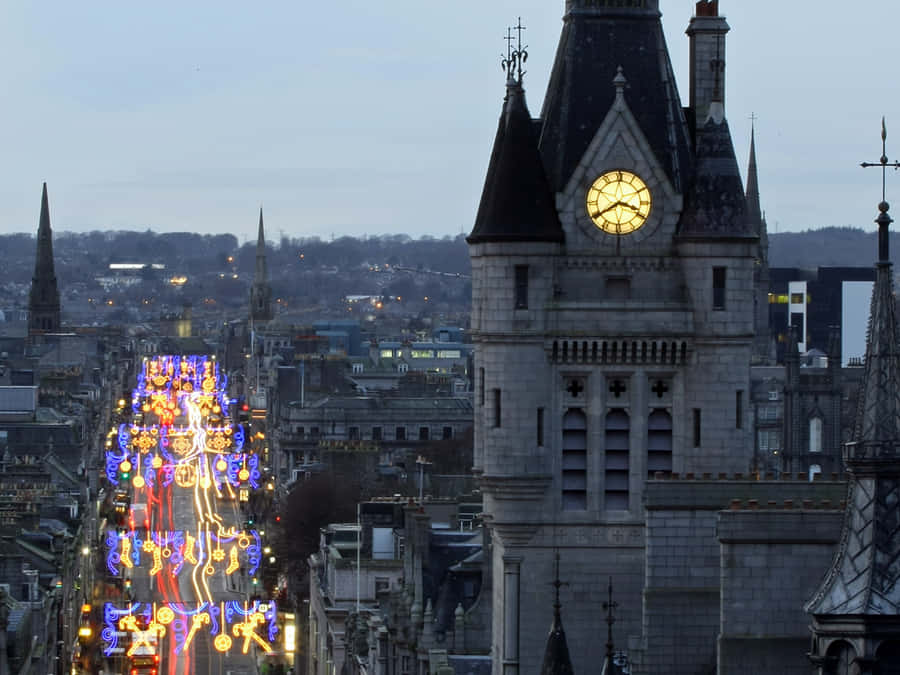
(351, 119)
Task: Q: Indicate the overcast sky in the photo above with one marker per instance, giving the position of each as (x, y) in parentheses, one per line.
(369, 117)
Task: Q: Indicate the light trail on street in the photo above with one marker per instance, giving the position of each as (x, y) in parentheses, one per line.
(183, 557)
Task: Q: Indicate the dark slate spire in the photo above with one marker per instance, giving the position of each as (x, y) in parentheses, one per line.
(754, 212)
(716, 205)
(260, 291)
(262, 272)
(859, 599)
(595, 41)
(762, 341)
(43, 303)
(517, 203)
(865, 576)
(556, 655)
(878, 416)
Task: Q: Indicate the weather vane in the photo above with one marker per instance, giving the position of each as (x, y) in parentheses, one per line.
(883, 163)
(515, 57)
(883, 220)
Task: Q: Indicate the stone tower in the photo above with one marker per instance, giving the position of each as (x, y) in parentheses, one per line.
(260, 291)
(856, 610)
(43, 301)
(612, 313)
(763, 346)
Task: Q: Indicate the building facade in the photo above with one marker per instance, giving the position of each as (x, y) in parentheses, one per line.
(613, 264)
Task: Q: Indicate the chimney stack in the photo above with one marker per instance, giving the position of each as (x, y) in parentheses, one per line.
(707, 32)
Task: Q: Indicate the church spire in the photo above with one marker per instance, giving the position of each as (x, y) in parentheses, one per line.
(762, 343)
(43, 303)
(754, 212)
(260, 291)
(262, 271)
(858, 602)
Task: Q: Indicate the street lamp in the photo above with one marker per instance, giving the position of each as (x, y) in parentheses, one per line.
(86, 551)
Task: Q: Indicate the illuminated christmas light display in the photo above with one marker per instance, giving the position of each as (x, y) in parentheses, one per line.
(251, 623)
(180, 442)
(228, 550)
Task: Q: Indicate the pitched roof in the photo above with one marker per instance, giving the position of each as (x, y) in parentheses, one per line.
(595, 42)
(716, 205)
(517, 203)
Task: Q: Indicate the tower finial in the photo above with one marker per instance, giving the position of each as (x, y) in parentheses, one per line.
(883, 219)
(516, 57)
(610, 605)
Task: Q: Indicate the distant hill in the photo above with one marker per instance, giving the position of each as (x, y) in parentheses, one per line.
(828, 247)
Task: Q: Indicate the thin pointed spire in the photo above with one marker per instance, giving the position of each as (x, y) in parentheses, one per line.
(262, 271)
(864, 580)
(517, 203)
(260, 291)
(754, 211)
(43, 303)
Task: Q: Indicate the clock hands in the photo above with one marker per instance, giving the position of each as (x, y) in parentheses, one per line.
(613, 206)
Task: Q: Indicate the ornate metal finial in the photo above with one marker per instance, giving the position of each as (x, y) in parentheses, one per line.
(883, 220)
(610, 606)
(515, 56)
(557, 584)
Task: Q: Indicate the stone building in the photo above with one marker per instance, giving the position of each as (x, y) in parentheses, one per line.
(425, 592)
(613, 261)
(383, 434)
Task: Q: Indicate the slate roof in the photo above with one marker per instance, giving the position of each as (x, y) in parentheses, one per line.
(517, 203)
(594, 43)
(716, 205)
(864, 578)
(556, 654)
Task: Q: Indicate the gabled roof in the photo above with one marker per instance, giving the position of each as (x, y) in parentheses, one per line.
(517, 203)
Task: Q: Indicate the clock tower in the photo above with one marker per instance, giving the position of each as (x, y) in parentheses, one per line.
(612, 312)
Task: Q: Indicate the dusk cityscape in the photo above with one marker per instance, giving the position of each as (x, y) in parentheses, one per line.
(307, 368)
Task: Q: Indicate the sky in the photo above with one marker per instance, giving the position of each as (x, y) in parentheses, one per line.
(367, 118)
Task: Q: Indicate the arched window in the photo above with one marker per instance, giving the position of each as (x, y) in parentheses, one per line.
(840, 658)
(618, 427)
(659, 442)
(815, 434)
(574, 461)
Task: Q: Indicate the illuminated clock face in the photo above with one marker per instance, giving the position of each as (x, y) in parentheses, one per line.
(618, 202)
